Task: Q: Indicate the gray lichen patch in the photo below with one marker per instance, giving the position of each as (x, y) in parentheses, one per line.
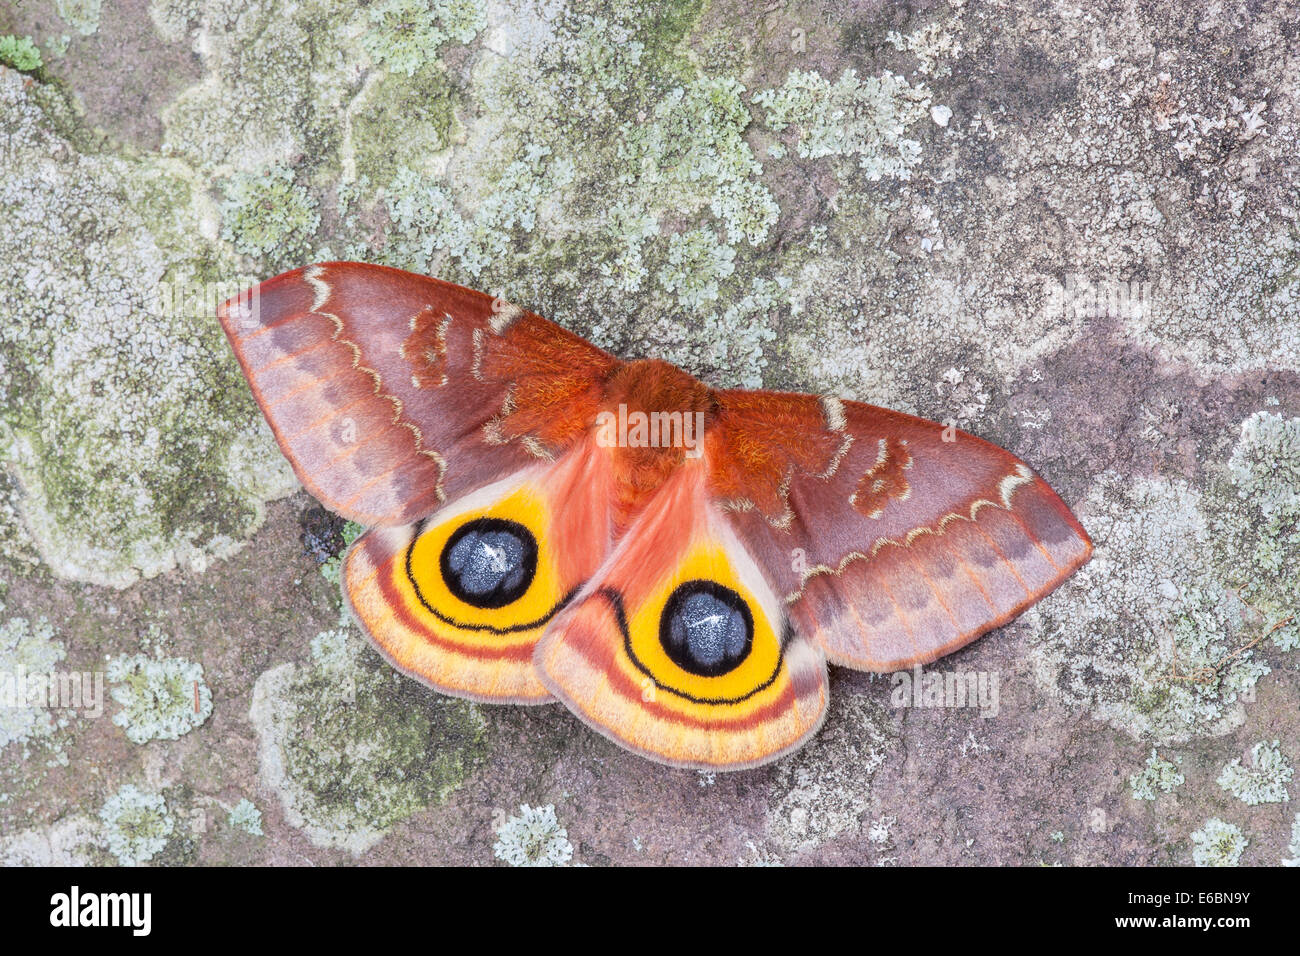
(352, 748)
(824, 790)
(533, 837)
(1263, 479)
(70, 841)
(124, 417)
(268, 216)
(160, 699)
(405, 35)
(865, 121)
(276, 80)
(398, 120)
(1159, 650)
(1218, 843)
(1262, 778)
(28, 649)
(1159, 774)
(136, 825)
(1294, 847)
(1170, 647)
(246, 817)
(81, 15)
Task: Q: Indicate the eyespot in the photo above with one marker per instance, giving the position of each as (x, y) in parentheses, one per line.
(489, 562)
(706, 628)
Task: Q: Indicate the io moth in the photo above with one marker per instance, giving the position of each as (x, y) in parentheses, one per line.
(676, 564)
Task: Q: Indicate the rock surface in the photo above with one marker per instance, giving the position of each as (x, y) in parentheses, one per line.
(1069, 229)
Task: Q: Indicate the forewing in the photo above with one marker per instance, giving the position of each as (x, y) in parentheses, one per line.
(393, 393)
(893, 540)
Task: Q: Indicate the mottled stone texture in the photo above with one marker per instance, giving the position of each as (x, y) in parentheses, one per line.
(1071, 229)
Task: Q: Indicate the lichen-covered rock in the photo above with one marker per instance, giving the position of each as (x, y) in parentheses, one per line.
(533, 837)
(80, 15)
(1075, 235)
(70, 841)
(123, 416)
(1218, 844)
(136, 825)
(27, 649)
(1263, 779)
(161, 699)
(824, 789)
(352, 748)
(1159, 650)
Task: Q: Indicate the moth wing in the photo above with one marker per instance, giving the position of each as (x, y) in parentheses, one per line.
(891, 545)
(392, 393)
(680, 650)
(459, 599)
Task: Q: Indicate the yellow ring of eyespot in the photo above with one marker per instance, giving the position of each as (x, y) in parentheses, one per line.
(536, 604)
(707, 562)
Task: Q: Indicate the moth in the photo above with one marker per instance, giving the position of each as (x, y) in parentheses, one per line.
(674, 563)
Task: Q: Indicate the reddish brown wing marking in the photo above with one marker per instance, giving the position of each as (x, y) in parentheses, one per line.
(892, 546)
(391, 393)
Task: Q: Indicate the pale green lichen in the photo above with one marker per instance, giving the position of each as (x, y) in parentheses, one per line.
(533, 837)
(407, 34)
(69, 841)
(824, 789)
(245, 816)
(1294, 848)
(736, 337)
(20, 53)
(161, 699)
(863, 119)
(81, 15)
(395, 122)
(933, 44)
(692, 152)
(27, 648)
(136, 825)
(1161, 650)
(1262, 780)
(353, 748)
(1159, 775)
(267, 214)
(696, 263)
(1218, 844)
(1287, 637)
(278, 81)
(428, 221)
(124, 418)
(1265, 519)
(1265, 464)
